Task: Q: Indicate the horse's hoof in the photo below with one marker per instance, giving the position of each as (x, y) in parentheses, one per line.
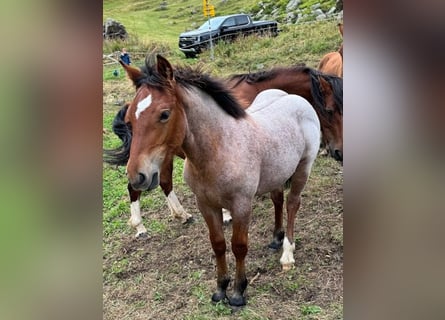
(142, 236)
(189, 220)
(275, 245)
(237, 301)
(288, 266)
(218, 296)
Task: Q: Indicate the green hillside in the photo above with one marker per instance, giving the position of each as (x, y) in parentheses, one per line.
(150, 27)
(149, 22)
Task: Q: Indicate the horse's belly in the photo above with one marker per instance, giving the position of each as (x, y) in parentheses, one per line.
(283, 141)
(218, 187)
(277, 169)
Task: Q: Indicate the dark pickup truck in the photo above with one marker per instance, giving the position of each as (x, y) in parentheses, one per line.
(223, 28)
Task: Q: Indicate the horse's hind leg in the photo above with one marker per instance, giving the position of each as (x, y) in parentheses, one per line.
(298, 182)
(136, 219)
(278, 233)
(166, 184)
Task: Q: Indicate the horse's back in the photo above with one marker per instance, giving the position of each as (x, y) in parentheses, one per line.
(291, 131)
(274, 103)
(332, 63)
(264, 99)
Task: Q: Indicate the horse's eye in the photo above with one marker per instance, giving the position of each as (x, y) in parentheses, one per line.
(165, 114)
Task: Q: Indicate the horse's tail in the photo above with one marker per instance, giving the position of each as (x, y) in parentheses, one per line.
(120, 155)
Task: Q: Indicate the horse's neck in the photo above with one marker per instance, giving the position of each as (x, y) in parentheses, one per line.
(208, 126)
(294, 83)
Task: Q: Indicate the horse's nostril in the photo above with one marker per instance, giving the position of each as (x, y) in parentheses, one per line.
(142, 178)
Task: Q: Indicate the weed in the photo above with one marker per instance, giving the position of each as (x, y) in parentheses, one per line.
(310, 309)
(157, 296)
(221, 309)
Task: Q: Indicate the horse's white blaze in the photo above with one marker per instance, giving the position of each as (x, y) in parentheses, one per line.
(136, 219)
(176, 208)
(287, 259)
(142, 105)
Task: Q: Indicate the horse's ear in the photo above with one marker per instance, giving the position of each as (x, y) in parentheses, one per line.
(326, 90)
(132, 72)
(324, 85)
(164, 67)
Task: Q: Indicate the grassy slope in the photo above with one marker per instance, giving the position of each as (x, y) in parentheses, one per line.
(143, 18)
(149, 28)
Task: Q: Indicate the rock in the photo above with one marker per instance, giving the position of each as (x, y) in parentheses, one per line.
(318, 12)
(331, 11)
(321, 17)
(290, 17)
(114, 30)
(292, 5)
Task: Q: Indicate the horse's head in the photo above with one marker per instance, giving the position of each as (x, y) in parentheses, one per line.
(332, 90)
(156, 119)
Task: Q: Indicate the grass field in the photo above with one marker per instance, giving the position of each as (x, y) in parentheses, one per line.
(171, 275)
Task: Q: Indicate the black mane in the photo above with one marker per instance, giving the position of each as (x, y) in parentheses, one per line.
(336, 84)
(317, 94)
(192, 77)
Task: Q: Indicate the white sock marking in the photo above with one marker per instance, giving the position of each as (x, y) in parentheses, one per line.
(287, 257)
(136, 218)
(176, 208)
(142, 105)
(227, 217)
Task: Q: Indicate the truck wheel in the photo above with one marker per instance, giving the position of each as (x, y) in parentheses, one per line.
(190, 55)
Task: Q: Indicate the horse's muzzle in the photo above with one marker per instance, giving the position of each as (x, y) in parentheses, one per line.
(142, 182)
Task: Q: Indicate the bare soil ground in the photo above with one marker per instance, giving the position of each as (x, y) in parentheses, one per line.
(171, 275)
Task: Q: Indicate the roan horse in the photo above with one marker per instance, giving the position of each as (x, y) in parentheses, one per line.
(324, 92)
(231, 155)
(332, 62)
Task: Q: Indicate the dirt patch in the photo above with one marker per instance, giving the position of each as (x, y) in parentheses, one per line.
(172, 274)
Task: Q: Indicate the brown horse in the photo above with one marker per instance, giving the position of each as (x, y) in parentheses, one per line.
(231, 155)
(324, 93)
(332, 62)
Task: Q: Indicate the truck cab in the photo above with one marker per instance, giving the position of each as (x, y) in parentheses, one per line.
(222, 28)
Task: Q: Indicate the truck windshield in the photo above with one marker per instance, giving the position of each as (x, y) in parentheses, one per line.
(214, 23)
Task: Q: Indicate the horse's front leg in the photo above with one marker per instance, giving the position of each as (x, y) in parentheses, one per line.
(135, 209)
(213, 219)
(240, 227)
(166, 183)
